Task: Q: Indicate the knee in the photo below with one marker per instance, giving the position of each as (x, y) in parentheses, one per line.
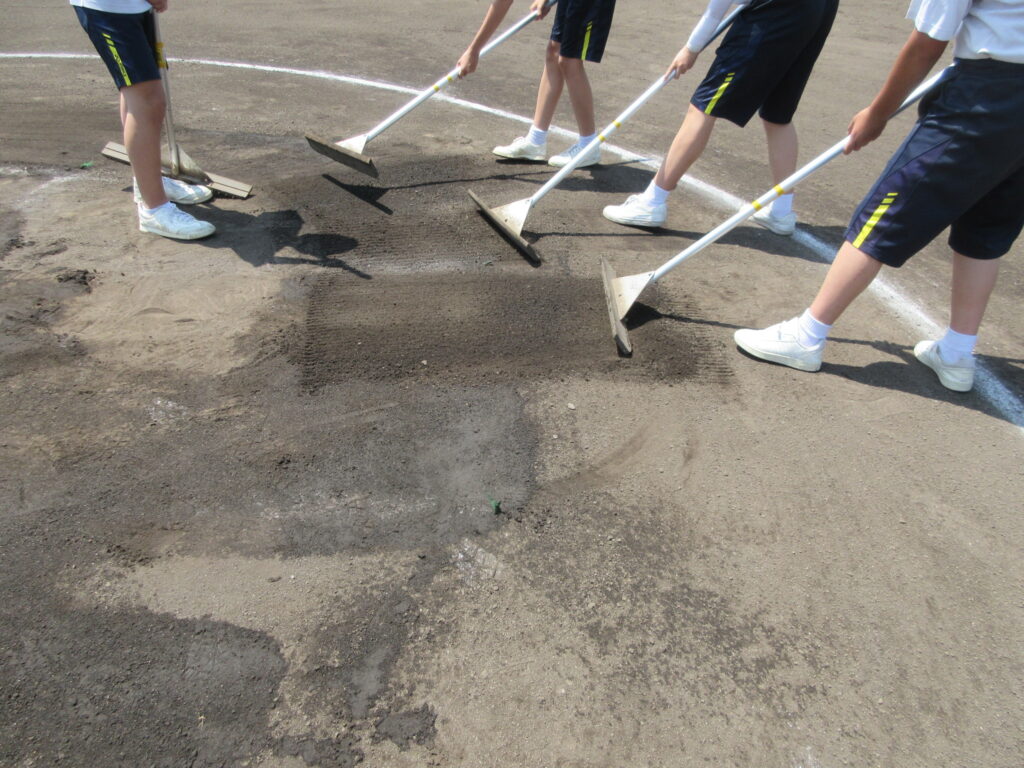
(146, 101)
(570, 67)
(552, 53)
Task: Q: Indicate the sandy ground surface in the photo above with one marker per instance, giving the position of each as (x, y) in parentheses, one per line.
(351, 482)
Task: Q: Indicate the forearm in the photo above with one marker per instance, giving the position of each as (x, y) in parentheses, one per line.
(913, 64)
(708, 23)
(492, 19)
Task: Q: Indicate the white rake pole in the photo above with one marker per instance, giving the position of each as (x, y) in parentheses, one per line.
(783, 188)
(615, 124)
(449, 78)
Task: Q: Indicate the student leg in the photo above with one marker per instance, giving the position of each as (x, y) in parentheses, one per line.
(582, 98)
(850, 273)
(534, 145)
(687, 146)
(550, 91)
(650, 208)
(973, 281)
(782, 149)
(580, 94)
(782, 153)
(142, 115)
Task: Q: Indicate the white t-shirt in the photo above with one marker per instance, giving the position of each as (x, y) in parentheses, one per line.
(705, 29)
(984, 29)
(115, 6)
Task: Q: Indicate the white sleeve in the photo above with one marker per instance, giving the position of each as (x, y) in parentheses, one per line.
(705, 29)
(939, 19)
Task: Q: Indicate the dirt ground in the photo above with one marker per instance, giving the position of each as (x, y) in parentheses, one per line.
(353, 483)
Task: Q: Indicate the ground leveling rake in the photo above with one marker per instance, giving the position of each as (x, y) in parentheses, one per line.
(622, 292)
(176, 163)
(509, 219)
(350, 151)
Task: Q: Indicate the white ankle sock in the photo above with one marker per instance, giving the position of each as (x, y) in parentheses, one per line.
(584, 140)
(812, 331)
(954, 346)
(783, 205)
(151, 211)
(655, 194)
(537, 136)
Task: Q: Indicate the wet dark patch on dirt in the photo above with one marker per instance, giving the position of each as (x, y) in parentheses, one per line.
(132, 688)
(11, 223)
(27, 308)
(415, 726)
(484, 328)
(350, 671)
(327, 753)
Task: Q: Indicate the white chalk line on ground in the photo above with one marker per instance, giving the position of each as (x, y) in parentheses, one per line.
(988, 385)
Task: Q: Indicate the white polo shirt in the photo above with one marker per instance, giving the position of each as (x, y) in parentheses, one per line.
(984, 29)
(115, 6)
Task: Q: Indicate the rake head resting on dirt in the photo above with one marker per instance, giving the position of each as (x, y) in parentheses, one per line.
(350, 151)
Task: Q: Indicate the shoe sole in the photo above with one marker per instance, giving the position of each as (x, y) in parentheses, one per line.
(954, 386)
(541, 159)
(175, 236)
(776, 230)
(633, 222)
(182, 201)
(581, 165)
(771, 357)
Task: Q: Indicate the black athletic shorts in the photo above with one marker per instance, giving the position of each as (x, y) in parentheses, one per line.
(581, 28)
(765, 60)
(125, 41)
(962, 166)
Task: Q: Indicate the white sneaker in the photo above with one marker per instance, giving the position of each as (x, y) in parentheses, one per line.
(958, 376)
(780, 225)
(780, 344)
(523, 149)
(170, 221)
(593, 157)
(179, 192)
(637, 211)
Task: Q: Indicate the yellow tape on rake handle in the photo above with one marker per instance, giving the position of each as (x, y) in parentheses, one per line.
(615, 124)
(444, 81)
(780, 189)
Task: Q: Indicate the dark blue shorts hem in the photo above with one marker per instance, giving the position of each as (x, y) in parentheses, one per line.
(125, 41)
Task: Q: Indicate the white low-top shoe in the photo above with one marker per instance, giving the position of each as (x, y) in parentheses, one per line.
(170, 221)
(780, 225)
(637, 211)
(180, 192)
(780, 343)
(958, 376)
(523, 149)
(593, 157)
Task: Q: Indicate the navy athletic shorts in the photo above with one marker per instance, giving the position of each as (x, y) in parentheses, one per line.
(765, 60)
(962, 166)
(125, 41)
(581, 28)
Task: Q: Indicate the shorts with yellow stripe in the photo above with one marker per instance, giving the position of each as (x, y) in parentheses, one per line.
(581, 28)
(962, 167)
(125, 41)
(765, 60)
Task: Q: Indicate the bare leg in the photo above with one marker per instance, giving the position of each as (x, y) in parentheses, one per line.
(782, 149)
(550, 90)
(580, 94)
(851, 272)
(142, 113)
(973, 281)
(686, 147)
